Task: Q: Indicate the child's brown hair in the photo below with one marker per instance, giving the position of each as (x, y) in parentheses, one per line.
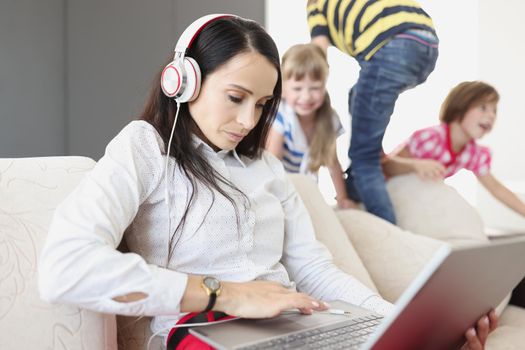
(465, 96)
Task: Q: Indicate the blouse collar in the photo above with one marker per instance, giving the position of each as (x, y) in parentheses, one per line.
(222, 154)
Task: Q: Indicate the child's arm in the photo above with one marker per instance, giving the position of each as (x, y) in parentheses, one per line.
(336, 173)
(275, 143)
(502, 193)
(323, 42)
(404, 163)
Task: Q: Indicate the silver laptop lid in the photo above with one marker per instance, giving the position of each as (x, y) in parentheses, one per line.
(450, 294)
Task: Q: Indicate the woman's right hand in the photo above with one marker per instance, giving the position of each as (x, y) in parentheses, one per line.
(428, 169)
(263, 299)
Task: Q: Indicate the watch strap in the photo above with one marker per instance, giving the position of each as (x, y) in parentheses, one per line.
(211, 302)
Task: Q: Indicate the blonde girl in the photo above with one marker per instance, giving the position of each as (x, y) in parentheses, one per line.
(304, 132)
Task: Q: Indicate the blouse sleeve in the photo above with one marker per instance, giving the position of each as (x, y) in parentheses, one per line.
(80, 264)
(308, 261)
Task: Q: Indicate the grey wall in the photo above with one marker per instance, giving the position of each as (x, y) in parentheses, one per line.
(114, 49)
(32, 76)
(91, 64)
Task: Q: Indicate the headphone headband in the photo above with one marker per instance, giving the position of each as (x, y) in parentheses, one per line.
(189, 34)
(181, 78)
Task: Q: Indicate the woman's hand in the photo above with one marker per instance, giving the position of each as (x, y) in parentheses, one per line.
(428, 169)
(262, 299)
(476, 337)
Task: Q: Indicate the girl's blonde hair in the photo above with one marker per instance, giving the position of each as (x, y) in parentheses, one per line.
(308, 60)
(464, 96)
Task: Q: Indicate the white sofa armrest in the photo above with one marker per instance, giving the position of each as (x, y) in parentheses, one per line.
(30, 189)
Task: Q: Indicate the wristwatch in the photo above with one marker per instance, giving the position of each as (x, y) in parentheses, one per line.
(213, 288)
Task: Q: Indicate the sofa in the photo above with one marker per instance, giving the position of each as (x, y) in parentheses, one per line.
(382, 256)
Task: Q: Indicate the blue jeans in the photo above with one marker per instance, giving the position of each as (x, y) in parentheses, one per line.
(399, 65)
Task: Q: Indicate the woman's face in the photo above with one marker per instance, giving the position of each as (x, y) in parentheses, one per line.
(232, 98)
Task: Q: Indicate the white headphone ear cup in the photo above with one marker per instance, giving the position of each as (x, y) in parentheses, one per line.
(171, 79)
(193, 80)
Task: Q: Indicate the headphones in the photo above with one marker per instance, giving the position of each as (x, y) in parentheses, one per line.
(181, 78)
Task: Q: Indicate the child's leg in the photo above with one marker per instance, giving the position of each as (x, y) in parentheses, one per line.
(365, 148)
(399, 65)
(351, 190)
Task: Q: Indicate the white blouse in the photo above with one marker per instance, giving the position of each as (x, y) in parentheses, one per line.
(123, 197)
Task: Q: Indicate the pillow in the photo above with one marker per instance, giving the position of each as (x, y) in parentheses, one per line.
(393, 257)
(436, 210)
(329, 231)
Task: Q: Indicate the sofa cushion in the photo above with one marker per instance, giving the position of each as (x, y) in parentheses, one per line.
(30, 189)
(435, 210)
(393, 257)
(329, 231)
(515, 316)
(135, 332)
(510, 335)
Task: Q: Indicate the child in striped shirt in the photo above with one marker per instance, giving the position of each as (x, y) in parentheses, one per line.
(304, 132)
(467, 114)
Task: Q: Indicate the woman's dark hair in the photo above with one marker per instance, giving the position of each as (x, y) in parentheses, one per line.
(216, 44)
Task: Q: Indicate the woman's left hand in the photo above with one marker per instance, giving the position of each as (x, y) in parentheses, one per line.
(477, 336)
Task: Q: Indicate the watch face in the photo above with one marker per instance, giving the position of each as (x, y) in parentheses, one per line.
(212, 283)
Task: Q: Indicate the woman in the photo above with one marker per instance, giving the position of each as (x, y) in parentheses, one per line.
(216, 226)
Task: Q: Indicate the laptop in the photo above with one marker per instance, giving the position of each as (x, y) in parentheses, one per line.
(450, 294)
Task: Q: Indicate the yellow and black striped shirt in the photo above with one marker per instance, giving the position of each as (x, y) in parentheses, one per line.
(363, 26)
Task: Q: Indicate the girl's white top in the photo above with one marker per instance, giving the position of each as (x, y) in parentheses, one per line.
(123, 198)
(296, 150)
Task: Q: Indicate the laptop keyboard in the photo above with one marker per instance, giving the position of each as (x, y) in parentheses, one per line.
(345, 335)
